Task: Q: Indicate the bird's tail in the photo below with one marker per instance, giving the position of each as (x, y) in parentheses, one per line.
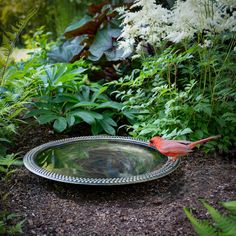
(193, 144)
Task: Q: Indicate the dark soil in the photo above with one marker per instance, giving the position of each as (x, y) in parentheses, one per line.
(152, 208)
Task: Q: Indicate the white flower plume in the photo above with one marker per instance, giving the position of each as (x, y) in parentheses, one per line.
(152, 23)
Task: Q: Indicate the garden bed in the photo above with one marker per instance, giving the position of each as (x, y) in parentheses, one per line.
(152, 208)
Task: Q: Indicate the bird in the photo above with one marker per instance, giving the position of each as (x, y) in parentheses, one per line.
(177, 148)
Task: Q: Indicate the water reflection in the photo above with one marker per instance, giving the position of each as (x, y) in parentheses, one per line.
(100, 159)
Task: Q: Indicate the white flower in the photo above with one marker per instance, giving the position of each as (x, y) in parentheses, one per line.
(153, 23)
(147, 24)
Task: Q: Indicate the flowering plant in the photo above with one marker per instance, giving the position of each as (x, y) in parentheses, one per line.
(151, 23)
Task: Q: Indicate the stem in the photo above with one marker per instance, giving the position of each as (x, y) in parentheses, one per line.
(205, 79)
(175, 74)
(169, 75)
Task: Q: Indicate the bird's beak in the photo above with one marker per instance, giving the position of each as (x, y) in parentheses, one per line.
(150, 145)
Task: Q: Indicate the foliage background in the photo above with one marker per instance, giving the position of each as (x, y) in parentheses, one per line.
(55, 15)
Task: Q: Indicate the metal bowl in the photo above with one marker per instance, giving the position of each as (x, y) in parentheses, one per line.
(99, 160)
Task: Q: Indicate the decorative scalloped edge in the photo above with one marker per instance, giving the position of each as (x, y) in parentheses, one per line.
(34, 168)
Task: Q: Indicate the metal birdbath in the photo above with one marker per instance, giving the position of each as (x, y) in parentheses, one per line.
(99, 160)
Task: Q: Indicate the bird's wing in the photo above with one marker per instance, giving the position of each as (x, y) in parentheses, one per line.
(174, 148)
(183, 142)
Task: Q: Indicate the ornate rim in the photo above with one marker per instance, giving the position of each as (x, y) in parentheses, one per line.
(30, 164)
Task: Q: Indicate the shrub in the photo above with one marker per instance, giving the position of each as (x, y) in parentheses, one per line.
(66, 98)
(183, 93)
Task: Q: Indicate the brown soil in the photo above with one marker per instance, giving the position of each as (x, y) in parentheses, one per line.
(152, 208)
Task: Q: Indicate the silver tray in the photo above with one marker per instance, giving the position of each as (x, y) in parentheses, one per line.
(99, 160)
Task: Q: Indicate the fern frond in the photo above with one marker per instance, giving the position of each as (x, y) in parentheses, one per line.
(10, 39)
(231, 206)
(202, 228)
(226, 224)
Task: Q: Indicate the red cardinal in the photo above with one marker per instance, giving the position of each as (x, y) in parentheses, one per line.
(176, 148)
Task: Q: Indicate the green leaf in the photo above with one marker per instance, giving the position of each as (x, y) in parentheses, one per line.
(147, 131)
(97, 93)
(201, 228)
(44, 119)
(110, 104)
(105, 43)
(3, 170)
(65, 98)
(85, 92)
(115, 55)
(78, 24)
(68, 50)
(36, 113)
(87, 116)
(110, 121)
(231, 205)
(70, 120)
(96, 128)
(107, 127)
(60, 124)
(227, 225)
(102, 42)
(4, 140)
(107, 123)
(83, 104)
(9, 160)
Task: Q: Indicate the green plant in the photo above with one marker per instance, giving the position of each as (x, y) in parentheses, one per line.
(9, 40)
(8, 113)
(6, 163)
(93, 37)
(184, 93)
(13, 95)
(224, 225)
(13, 98)
(37, 39)
(66, 98)
(8, 225)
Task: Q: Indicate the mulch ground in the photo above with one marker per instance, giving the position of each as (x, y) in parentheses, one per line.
(151, 208)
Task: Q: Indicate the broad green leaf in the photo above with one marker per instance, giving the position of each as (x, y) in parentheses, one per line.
(78, 24)
(68, 50)
(60, 124)
(65, 98)
(97, 93)
(43, 119)
(107, 127)
(110, 104)
(85, 90)
(102, 42)
(115, 54)
(36, 113)
(55, 72)
(110, 121)
(70, 120)
(64, 79)
(87, 116)
(83, 104)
